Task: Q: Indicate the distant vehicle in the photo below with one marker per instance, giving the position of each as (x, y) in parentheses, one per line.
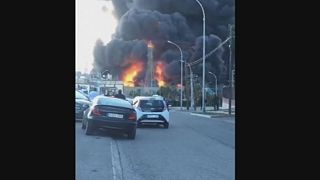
(110, 113)
(82, 103)
(151, 110)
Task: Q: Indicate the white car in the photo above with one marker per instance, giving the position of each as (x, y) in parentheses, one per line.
(151, 110)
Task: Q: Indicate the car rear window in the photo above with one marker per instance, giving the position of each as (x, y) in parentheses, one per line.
(112, 102)
(151, 104)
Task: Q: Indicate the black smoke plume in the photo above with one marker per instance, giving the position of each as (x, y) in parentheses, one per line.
(179, 21)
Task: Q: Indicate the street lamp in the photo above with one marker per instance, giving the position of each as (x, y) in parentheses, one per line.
(230, 68)
(102, 75)
(191, 85)
(203, 56)
(215, 77)
(181, 60)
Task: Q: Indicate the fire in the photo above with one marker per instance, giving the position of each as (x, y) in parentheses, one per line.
(159, 74)
(130, 74)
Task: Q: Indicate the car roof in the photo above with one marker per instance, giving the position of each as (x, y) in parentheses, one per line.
(148, 98)
(111, 101)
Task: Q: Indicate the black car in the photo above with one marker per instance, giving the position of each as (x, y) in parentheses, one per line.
(110, 113)
(82, 103)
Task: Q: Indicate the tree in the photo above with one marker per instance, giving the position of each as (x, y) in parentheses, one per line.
(169, 92)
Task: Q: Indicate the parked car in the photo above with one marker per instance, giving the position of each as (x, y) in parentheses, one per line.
(151, 110)
(110, 113)
(82, 103)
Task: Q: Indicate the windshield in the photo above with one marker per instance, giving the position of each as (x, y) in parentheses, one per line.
(80, 96)
(151, 104)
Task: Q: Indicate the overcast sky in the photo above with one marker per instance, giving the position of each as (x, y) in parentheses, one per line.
(94, 20)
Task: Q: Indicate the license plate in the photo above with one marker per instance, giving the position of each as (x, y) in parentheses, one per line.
(115, 115)
(153, 116)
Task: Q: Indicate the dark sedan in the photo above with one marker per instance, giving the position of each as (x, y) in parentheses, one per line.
(110, 113)
(82, 103)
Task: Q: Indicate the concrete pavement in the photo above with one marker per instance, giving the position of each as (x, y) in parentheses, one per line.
(192, 148)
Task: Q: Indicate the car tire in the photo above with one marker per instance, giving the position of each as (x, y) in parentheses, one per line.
(88, 128)
(166, 125)
(132, 134)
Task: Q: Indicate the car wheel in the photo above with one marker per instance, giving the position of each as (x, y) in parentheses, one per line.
(88, 128)
(166, 125)
(132, 134)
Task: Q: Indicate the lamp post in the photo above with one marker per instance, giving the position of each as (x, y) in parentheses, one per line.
(191, 85)
(102, 75)
(230, 67)
(203, 56)
(181, 60)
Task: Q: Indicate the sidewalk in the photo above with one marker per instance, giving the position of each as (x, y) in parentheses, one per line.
(222, 112)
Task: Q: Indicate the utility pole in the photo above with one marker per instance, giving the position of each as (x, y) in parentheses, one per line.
(186, 85)
(203, 57)
(181, 71)
(191, 89)
(230, 67)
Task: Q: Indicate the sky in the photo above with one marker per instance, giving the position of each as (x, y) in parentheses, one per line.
(94, 20)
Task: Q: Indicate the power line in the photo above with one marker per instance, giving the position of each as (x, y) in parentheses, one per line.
(210, 53)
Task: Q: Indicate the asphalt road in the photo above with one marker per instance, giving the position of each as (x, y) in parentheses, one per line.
(192, 148)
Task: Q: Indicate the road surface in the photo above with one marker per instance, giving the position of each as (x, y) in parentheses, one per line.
(192, 148)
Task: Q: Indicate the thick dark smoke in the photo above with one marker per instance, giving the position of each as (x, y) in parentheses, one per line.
(153, 25)
(179, 21)
(219, 13)
(117, 54)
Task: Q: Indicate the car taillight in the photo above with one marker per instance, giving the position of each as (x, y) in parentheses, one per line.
(132, 116)
(96, 111)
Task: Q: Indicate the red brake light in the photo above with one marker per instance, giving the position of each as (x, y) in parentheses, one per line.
(132, 116)
(96, 111)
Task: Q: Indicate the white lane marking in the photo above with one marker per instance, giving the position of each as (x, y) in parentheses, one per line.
(115, 159)
(208, 116)
(201, 115)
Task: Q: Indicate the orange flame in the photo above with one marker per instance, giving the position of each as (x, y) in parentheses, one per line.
(130, 74)
(159, 74)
